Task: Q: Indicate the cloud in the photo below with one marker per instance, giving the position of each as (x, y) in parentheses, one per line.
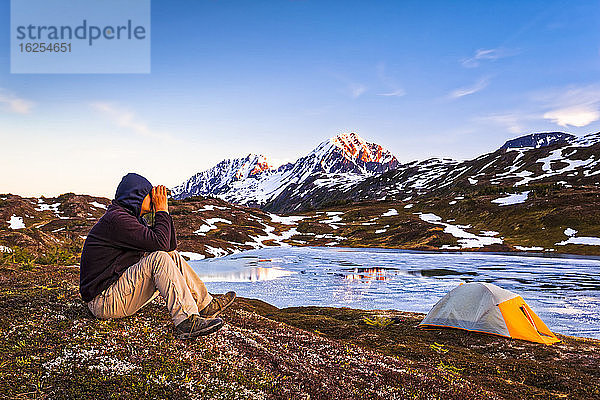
(574, 116)
(514, 122)
(15, 104)
(127, 119)
(397, 93)
(394, 89)
(574, 106)
(486, 55)
(350, 87)
(465, 91)
(571, 106)
(356, 89)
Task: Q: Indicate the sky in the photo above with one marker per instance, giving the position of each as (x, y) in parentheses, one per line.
(228, 78)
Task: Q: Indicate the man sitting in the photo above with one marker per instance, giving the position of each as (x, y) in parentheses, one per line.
(125, 263)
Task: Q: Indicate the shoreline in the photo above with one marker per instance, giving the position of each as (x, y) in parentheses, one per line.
(53, 347)
(445, 251)
(370, 310)
(551, 311)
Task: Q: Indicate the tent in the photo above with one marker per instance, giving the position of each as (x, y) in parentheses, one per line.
(483, 307)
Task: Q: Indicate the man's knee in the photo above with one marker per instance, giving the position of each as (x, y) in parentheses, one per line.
(174, 254)
(161, 258)
(159, 254)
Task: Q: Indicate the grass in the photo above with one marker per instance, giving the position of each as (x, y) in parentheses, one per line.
(378, 321)
(51, 347)
(67, 253)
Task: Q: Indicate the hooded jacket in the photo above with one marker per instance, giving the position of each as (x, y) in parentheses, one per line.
(121, 236)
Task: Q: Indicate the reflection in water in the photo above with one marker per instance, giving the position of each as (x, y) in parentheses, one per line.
(564, 292)
(366, 274)
(441, 272)
(248, 274)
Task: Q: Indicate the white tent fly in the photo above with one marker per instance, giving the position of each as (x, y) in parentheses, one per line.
(484, 307)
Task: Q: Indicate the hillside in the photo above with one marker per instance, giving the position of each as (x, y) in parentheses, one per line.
(53, 348)
(541, 218)
(51, 341)
(347, 157)
(349, 169)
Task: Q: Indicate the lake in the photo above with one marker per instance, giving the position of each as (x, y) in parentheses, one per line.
(564, 292)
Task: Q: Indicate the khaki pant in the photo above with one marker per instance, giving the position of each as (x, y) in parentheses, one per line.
(159, 272)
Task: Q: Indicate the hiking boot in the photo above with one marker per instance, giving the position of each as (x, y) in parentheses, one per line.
(197, 326)
(217, 305)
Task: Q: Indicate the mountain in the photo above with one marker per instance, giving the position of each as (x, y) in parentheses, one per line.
(219, 179)
(342, 160)
(405, 180)
(346, 168)
(348, 152)
(528, 198)
(537, 140)
(565, 160)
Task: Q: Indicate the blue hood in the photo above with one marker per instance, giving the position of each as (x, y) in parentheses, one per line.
(131, 193)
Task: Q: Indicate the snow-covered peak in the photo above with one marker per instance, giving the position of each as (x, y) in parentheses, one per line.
(221, 176)
(354, 147)
(253, 180)
(537, 140)
(346, 167)
(588, 140)
(242, 168)
(251, 165)
(348, 152)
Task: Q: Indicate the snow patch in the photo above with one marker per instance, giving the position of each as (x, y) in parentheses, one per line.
(15, 222)
(489, 233)
(271, 236)
(335, 218)
(192, 256)
(389, 213)
(215, 251)
(209, 207)
(431, 218)
(289, 220)
(465, 239)
(210, 225)
(47, 207)
(585, 240)
(570, 232)
(98, 205)
(534, 248)
(514, 198)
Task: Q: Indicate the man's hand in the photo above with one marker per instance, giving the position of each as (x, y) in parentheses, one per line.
(159, 198)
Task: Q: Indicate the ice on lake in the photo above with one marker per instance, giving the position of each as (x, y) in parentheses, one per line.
(564, 292)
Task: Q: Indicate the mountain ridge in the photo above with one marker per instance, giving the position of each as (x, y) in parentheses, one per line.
(345, 154)
(539, 139)
(347, 167)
